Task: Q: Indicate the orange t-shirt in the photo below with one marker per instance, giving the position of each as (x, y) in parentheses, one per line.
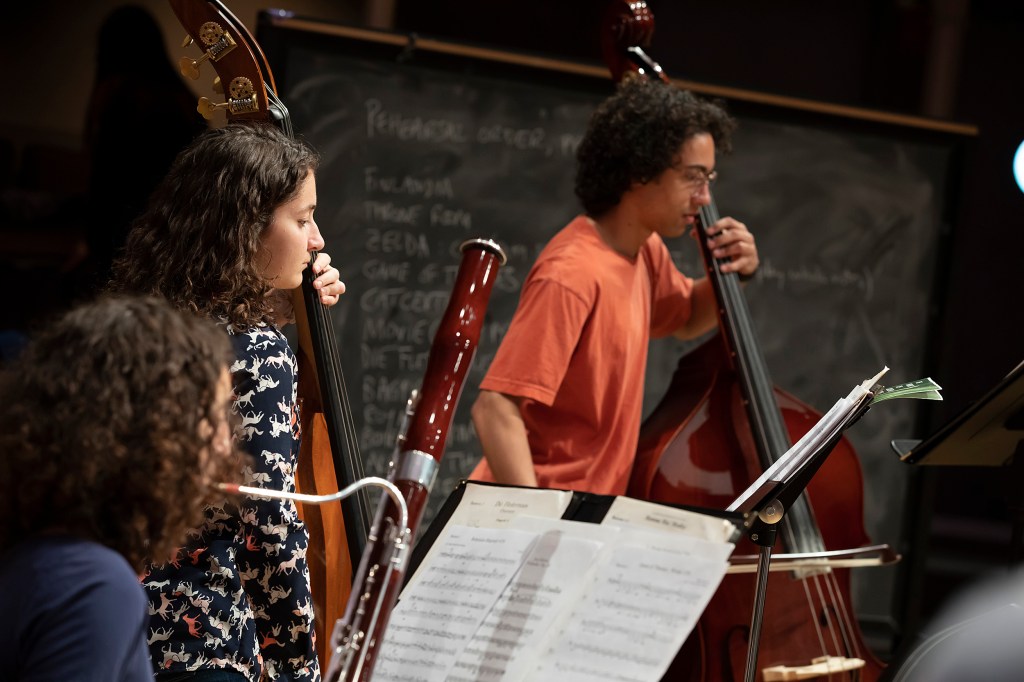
(577, 351)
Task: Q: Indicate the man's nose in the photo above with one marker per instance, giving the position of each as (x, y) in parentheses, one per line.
(702, 194)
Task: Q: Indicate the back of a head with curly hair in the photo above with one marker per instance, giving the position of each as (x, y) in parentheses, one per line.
(197, 243)
(636, 134)
(109, 425)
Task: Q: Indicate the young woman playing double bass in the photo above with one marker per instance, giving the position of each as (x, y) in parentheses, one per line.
(227, 235)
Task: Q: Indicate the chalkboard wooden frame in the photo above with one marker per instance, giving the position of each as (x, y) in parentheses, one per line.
(853, 209)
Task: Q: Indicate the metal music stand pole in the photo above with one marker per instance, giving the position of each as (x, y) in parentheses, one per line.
(762, 535)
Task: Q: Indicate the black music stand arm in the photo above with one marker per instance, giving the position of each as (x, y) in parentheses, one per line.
(783, 494)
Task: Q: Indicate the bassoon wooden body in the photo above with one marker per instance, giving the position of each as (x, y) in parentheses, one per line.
(358, 636)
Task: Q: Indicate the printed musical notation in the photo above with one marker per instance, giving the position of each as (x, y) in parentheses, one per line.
(637, 611)
(534, 596)
(430, 625)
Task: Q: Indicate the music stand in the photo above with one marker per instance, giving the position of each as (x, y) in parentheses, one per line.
(769, 498)
(987, 433)
(990, 432)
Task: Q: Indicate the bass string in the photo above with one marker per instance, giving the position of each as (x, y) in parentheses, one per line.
(332, 364)
(748, 357)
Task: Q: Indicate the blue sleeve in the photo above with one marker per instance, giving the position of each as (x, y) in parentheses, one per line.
(81, 613)
(274, 550)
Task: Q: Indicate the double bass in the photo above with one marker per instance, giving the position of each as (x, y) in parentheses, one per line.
(329, 457)
(723, 422)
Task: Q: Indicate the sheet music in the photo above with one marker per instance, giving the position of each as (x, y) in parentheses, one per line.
(586, 602)
(627, 512)
(833, 422)
(430, 626)
(644, 600)
(488, 506)
(505, 646)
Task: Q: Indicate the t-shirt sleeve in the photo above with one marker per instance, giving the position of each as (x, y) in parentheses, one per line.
(92, 627)
(671, 290)
(534, 355)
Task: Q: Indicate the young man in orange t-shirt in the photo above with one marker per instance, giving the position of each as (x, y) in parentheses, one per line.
(561, 404)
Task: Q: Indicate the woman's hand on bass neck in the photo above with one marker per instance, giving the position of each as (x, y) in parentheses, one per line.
(328, 283)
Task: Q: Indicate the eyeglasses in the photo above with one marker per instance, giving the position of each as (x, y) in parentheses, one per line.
(698, 177)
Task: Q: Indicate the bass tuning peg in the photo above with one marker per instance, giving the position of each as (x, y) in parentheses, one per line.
(241, 99)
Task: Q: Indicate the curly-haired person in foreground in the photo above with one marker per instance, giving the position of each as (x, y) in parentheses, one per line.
(561, 403)
(115, 424)
(228, 234)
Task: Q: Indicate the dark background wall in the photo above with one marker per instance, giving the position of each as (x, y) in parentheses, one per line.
(955, 60)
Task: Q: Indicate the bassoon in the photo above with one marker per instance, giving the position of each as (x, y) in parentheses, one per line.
(358, 636)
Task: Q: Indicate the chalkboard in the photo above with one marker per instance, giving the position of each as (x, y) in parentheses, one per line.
(419, 156)
(414, 162)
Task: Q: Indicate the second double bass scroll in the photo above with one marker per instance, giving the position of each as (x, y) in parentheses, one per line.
(720, 425)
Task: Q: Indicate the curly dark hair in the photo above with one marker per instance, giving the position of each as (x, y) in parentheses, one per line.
(196, 244)
(108, 427)
(635, 135)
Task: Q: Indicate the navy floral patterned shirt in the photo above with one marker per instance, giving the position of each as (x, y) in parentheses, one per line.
(237, 596)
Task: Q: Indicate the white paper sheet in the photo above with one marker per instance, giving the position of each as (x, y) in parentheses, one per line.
(488, 506)
(430, 626)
